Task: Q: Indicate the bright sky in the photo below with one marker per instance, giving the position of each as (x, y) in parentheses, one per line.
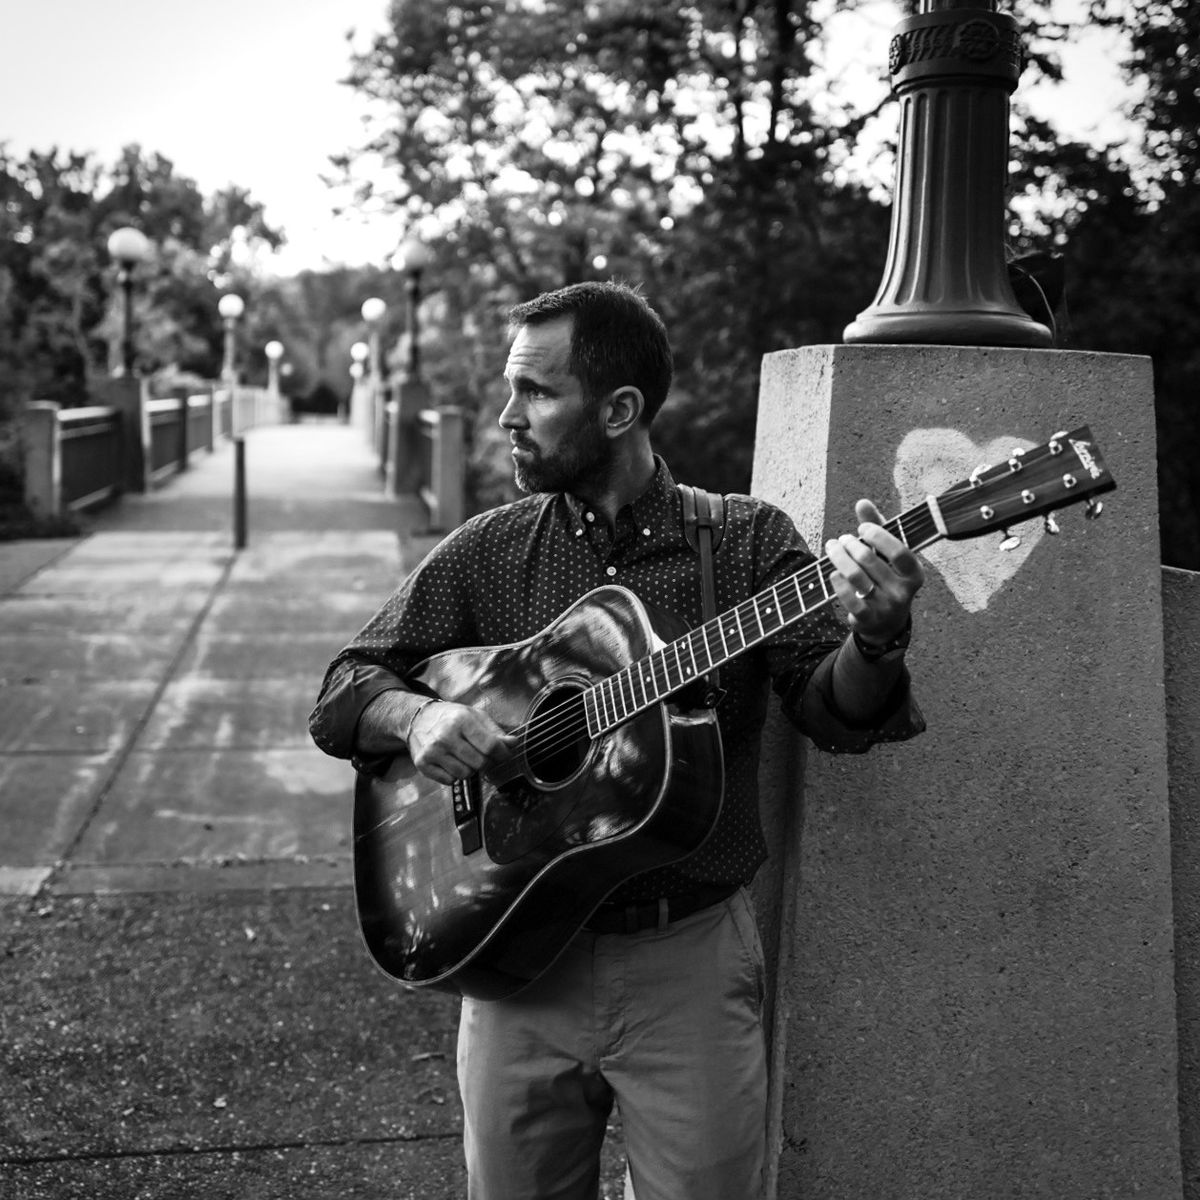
(231, 91)
(246, 92)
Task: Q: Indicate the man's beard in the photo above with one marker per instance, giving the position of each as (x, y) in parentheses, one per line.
(582, 461)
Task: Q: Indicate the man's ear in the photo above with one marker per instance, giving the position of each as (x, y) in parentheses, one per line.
(623, 410)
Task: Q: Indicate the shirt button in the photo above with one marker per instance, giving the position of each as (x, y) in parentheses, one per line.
(610, 571)
(579, 531)
(589, 517)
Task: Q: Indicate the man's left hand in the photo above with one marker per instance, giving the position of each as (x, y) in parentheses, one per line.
(876, 577)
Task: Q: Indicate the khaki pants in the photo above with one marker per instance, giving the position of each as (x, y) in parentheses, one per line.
(668, 1023)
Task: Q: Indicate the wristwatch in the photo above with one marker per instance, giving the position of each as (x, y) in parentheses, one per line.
(889, 651)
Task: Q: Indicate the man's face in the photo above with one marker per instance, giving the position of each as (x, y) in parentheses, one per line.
(556, 432)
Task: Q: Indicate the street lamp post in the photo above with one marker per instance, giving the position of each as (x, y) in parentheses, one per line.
(404, 456)
(954, 64)
(373, 312)
(414, 256)
(231, 306)
(128, 247)
(274, 352)
(360, 405)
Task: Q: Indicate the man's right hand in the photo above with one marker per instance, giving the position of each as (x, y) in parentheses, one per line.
(448, 741)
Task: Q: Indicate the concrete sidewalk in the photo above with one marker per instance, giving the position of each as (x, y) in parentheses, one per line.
(186, 1008)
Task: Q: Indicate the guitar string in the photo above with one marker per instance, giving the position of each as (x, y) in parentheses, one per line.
(566, 724)
(561, 726)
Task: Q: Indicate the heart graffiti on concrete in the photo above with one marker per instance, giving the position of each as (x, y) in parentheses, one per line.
(929, 461)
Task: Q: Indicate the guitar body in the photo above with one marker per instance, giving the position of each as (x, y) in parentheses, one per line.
(477, 889)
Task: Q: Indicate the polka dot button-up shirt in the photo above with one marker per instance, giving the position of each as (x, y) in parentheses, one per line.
(508, 573)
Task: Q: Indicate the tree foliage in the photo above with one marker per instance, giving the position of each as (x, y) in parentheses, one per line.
(1127, 223)
(59, 307)
(671, 145)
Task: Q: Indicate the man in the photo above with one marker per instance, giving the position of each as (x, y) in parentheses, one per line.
(657, 1002)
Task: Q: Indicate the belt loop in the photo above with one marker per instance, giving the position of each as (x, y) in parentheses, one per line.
(664, 914)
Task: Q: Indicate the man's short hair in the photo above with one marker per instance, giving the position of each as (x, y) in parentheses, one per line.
(617, 339)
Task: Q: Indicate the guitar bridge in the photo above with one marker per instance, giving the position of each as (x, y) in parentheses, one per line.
(465, 799)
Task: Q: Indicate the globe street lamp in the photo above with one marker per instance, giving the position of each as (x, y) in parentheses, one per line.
(127, 247)
(274, 352)
(231, 306)
(373, 312)
(413, 257)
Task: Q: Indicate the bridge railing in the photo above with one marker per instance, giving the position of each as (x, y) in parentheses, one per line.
(81, 458)
(421, 448)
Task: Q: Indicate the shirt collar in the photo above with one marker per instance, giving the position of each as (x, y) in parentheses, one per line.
(648, 510)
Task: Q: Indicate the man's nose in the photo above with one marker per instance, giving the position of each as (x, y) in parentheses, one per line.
(512, 415)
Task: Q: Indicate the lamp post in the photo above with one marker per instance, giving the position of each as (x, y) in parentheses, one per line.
(360, 405)
(127, 247)
(231, 306)
(373, 311)
(274, 352)
(954, 65)
(413, 257)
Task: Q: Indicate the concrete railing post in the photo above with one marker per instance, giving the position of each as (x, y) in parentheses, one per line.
(128, 395)
(449, 468)
(975, 982)
(403, 458)
(41, 445)
(185, 417)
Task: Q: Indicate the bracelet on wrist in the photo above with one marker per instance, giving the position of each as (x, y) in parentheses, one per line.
(416, 712)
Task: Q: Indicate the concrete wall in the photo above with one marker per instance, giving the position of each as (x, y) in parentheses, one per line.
(975, 985)
(1181, 644)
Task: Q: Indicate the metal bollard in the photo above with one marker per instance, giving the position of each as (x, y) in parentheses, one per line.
(239, 493)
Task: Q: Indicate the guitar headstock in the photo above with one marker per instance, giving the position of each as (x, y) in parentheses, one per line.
(1065, 470)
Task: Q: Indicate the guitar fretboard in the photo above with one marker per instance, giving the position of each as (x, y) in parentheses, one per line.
(651, 679)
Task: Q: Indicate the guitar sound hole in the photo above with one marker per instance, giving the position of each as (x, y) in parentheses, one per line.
(557, 740)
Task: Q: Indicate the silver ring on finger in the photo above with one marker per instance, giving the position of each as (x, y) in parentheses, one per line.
(864, 595)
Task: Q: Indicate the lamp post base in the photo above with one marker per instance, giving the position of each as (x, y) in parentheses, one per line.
(939, 327)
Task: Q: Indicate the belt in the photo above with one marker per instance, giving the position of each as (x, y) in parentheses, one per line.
(655, 914)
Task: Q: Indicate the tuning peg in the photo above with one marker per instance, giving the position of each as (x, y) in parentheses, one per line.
(1051, 525)
(973, 479)
(1093, 509)
(1010, 541)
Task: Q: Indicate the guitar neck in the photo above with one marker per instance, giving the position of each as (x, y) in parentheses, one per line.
(651, 679)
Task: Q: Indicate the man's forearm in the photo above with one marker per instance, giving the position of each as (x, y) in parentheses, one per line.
(384, 723)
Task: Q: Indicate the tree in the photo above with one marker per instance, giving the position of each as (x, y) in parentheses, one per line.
(58, 309)
(668, 144)
(1127, 223)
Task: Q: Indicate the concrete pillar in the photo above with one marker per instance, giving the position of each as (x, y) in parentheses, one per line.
(974, 989)
(127, 393)
(1181, 651)
(449, 469)
(41, 447)
(403, 457)
(185, 420)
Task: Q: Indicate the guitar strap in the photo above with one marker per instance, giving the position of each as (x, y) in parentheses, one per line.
(704, 526)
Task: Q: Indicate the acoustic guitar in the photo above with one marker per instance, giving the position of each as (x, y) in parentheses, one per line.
(477, 888)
